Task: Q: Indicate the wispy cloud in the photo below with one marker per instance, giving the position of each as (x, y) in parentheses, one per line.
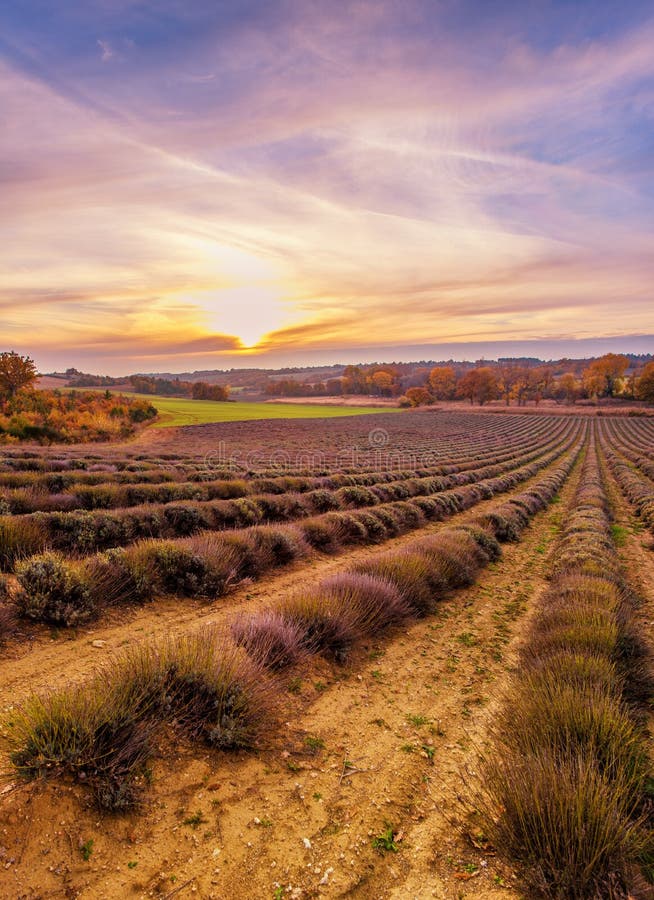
(296, 176)
(107, 50)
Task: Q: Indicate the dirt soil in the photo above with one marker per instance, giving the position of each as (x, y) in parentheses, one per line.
(386, 747)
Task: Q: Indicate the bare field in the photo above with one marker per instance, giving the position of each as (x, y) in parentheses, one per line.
(284, 658)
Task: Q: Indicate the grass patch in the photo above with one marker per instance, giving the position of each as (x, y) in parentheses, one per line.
(385, 842)
(619, 534)
(195, 820)
(175, 411)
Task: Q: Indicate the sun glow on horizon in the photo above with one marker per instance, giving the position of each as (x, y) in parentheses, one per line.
(249, 312)
(398, 175)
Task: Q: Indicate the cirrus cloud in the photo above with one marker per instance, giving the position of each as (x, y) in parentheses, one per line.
(317, 176)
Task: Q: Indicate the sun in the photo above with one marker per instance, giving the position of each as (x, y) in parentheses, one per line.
(248, 312)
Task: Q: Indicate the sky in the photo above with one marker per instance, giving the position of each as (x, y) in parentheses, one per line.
(208, 184)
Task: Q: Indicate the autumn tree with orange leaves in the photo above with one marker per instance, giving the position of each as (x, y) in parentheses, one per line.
(479, 386)
(602, 377)
(645, 384)
(442, 381)
(16, 372)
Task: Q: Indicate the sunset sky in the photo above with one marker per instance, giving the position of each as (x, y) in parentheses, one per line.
(194, 184)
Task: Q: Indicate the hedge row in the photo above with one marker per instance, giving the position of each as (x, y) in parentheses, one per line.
(638, 489)
(60, 492)
(216, 688)
(85, 532)
(66, 592)
(566, 783)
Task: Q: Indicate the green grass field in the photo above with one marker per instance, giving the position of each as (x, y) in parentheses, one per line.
(180, 411)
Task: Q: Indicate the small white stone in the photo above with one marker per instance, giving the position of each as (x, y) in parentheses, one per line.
(307, 843)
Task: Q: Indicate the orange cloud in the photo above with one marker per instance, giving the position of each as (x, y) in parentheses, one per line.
(400, 196)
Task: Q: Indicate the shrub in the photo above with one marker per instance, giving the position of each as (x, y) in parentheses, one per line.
(356, 496)
(54, 502)
(103, 731)
(278, 546)
(19, 538)
(54, 590)
(104, 496)
(580, 614)
(49, 416)
(570, 719)
(584, 637)
(408, 514)
(454, 557)
(7, 620)
(200, 566)
(486, 541)
(244, 511)
(226, 490)
(322, 500)
(322, 535)
(573, 586)
(250, 559)
(576, 669)
(502, 523)
(122, 576)
(412, 575)
(389, 517)
(372, 604)
(346, 524)
(324, 627)
(375, 528)
(183, 519)
(179, 570)
(270, 639)
(571, 825)
(213, 689)
(569, 772)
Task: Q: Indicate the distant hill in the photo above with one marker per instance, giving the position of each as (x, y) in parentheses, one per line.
(255, 379)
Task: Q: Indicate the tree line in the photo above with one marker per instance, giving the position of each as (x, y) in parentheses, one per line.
(513, 381)
(151, 384)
